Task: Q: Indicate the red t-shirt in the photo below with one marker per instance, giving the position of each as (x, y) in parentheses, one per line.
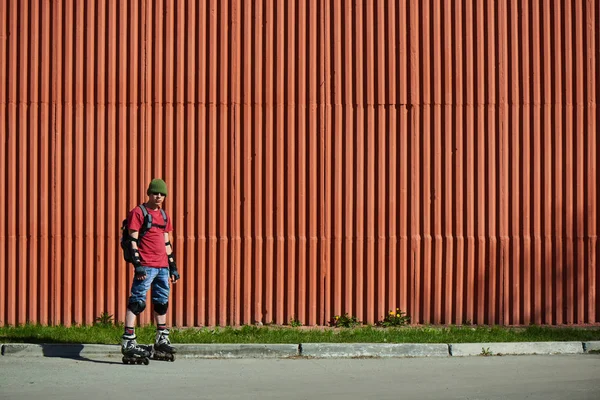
(152, 247)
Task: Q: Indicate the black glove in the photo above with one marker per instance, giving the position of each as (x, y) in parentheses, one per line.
(140, 272)
(173, 269)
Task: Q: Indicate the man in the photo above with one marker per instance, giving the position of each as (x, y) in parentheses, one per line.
(154, 265)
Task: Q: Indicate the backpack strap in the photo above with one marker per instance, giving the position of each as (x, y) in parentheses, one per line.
(164, 215)
(147, 220)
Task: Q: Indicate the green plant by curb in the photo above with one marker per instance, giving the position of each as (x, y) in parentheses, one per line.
(395, 318)
(105, 319)
(485, 351)
(344, 321)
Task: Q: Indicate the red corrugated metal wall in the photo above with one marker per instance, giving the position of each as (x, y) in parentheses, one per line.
(323, 157)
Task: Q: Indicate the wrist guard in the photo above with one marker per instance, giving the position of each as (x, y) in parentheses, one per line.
(136, 260)
(173, 268)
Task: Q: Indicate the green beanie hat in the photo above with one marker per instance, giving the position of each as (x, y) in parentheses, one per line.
(157, 186)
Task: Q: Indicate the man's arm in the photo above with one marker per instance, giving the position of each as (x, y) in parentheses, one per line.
(140, 271)
(171, 257)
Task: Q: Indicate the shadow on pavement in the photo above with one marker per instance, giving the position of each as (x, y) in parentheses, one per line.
(72, 352)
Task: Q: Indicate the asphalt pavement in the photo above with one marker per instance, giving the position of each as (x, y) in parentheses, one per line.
(100, 377)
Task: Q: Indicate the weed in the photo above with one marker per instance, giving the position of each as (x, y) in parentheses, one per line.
(105, 319)
(344, 321)
(295, 323)
(397, 318)
(485, 351)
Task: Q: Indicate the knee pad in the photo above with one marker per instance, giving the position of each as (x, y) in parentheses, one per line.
(136, 307)
(161, 309)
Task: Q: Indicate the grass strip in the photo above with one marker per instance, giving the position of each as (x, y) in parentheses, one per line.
(110, 334)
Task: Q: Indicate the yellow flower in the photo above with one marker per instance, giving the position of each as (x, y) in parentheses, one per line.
(398, 315)
(391, 313)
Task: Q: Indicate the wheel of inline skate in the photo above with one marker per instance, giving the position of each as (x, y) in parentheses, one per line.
(124, 360)
(172, 357)
(146, 361)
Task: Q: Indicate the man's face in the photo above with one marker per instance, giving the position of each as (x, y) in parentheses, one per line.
(156, 198)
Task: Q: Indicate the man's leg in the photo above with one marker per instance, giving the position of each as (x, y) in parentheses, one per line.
(160, 319)
(160, 299)
(135, 305)
(130, 318)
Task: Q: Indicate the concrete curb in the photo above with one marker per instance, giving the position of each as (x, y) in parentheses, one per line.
(354, 350)
(184, 350)
(237, 350)
(312, 350)
(591, 347)
(476, 349)
(59, 350)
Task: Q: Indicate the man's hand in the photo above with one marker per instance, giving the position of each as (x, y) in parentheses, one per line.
(140, 272)
(173, 272)
(171, 258)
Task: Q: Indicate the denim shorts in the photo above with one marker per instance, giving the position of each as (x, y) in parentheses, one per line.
(158, 278)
